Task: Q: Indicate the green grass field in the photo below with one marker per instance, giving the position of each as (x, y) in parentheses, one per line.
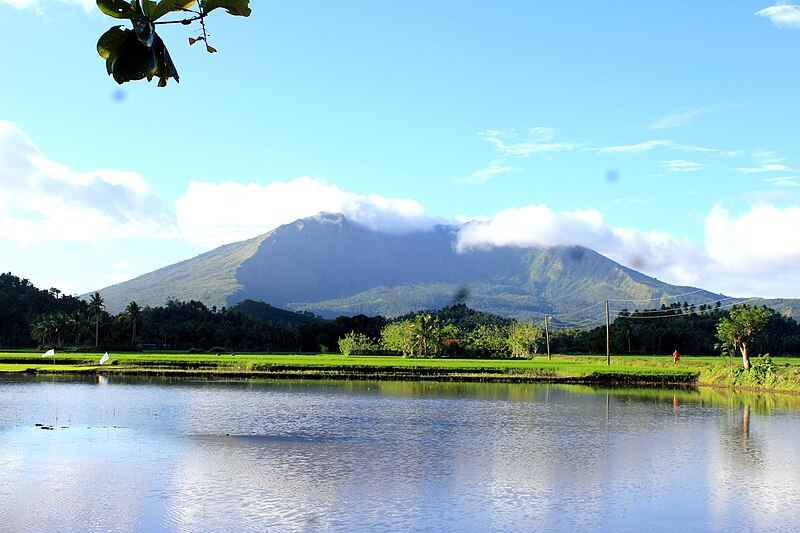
(784, 373)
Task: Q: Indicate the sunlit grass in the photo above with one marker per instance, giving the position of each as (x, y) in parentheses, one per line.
(784, 376)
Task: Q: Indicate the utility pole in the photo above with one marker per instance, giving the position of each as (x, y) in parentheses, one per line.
(608, 338)
(547, 335)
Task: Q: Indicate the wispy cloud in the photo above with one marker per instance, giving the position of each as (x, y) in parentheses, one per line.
(494, 169)
(631, 201)
(632, 148)
(680, 165)
(673, 120)
(766, 161)
(515, 144)
(648, 146)
(782, 14)
(531, 141)
(784, 181)
(681, 118)
(769, 167)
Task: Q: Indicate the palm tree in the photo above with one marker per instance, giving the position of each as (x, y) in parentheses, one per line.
(96, 305)
(76, 326)
(41, 330)
(49, 329)
(133, 316)
(426, 334)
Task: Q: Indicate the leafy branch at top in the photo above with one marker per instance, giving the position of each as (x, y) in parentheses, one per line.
(138, 53)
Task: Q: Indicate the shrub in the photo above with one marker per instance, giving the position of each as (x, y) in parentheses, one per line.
(356, 344)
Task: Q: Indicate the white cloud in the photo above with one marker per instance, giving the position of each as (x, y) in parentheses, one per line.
(654, 252)
(680, 165)
(212, 214)
(763, 238)
(42, 200)
(782, 14)
(536, 225)
(756, 253)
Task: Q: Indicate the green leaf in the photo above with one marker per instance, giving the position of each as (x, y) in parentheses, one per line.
(109, 44)
(145, 30)
(134, 61)
(165, 68)
(156, 10)
(240, 8)
(119, 9)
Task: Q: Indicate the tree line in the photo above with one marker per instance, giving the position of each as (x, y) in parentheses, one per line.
(32, 317)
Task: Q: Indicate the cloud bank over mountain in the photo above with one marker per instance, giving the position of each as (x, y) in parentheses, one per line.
(44, 202)
(212, 214)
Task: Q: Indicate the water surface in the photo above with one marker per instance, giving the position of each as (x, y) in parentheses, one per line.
(130, 454)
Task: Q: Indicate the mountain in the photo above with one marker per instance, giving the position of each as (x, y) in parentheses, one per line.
(329, 266)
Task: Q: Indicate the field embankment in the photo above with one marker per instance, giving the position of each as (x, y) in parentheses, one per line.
(559, 369)
(779, 375)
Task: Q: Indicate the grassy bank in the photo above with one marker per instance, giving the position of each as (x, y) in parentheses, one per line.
(559, 369)
(782, 374)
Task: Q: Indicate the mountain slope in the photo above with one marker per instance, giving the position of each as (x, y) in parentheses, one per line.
(329, 266)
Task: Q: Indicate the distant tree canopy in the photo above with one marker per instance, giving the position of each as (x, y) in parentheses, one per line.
(21, 302)
(31, 317)
(139, 52)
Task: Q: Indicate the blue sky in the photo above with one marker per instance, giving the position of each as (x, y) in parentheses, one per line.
(662, 134)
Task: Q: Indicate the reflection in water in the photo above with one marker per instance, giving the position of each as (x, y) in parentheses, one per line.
(155, 455)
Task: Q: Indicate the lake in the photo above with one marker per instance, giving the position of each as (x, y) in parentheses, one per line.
(159, 455)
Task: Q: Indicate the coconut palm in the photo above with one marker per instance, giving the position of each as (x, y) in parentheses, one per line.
(76, 326)
(49, 329)
(132, 317)
(96, 305)
(426, 334)
(41, 330)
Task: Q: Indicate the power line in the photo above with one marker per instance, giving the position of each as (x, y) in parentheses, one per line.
(671, 313)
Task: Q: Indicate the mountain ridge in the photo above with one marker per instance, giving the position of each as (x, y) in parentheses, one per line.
(330, 266)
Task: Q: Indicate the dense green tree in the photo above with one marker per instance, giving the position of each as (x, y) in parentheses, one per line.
(399, 337)
(523, 339)
(489, 340)
(735, 331)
